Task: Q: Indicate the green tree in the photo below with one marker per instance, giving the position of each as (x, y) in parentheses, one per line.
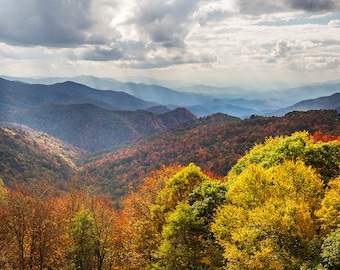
(85, 247)
(176, 190)
(331, 250)
(329, 217)
(180, 244)
(3, 192)
(187, 240)
(323, 156)
(164, 212)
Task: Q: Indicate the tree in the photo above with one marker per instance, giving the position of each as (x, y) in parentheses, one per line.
(331, 250)
(147, 209)
(323, 156)
(180, 243)
(176, 190)
(329, 216)
(17, 221)
(83, 251)
(269, 220)
(139, 237)
(91, 222)
(187, 240)
(3, 192)
(329, 213)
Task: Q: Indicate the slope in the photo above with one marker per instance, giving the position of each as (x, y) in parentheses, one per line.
(34, 160)
(214, 143)
(92, 128)
(321, 103)
(18, 95)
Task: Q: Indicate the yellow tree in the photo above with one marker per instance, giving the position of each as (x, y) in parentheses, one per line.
(323, 156)
(138, 236)
(269, 220)
(329, 216)
(329, 213)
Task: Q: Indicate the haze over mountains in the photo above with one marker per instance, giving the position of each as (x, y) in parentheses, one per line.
(201, 100)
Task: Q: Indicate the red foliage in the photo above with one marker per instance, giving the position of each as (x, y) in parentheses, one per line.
(318, 136)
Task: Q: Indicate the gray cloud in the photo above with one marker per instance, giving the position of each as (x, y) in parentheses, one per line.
(48, 23)
(314, 5)
(281, 49)
(165, 22)
(268, 6)
(333, 64)
(259, 6)
(100, 53)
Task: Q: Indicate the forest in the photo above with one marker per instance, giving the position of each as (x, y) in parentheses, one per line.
(278, 207)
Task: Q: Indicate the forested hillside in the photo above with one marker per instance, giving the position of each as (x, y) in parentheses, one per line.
(92, 128)
(36, 160)
(277, 208)
(214, 143)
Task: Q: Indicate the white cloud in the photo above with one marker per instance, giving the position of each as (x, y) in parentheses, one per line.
(334, 23)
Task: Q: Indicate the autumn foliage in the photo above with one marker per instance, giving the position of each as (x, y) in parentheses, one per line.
(277, 208)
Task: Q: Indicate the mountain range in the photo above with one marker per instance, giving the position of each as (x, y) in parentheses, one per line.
(201, 100)
(94, 119)
(92, 128)
(18, 95)
(321, 103)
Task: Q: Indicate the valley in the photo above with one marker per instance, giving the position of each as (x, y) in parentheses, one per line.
(128, 179)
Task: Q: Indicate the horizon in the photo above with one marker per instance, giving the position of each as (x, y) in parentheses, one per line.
(176, 86)
(259, 44)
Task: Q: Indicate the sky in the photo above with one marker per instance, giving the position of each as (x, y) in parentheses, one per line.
(214, 42)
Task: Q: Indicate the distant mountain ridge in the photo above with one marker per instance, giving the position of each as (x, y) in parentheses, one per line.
(321, 103)
(19, 95)
(80, 90)
(202, 100)
(152, 93)
(92, 128)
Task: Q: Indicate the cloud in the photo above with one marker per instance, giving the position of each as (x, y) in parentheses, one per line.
(40, 22)
(268, 6)
(215, 11)
(102, 53)
(259, 6)
(165, 22)
(314, 5)
(172, 59)
(206, 37)
(328, 64)
(334, 23)
(281, 49)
